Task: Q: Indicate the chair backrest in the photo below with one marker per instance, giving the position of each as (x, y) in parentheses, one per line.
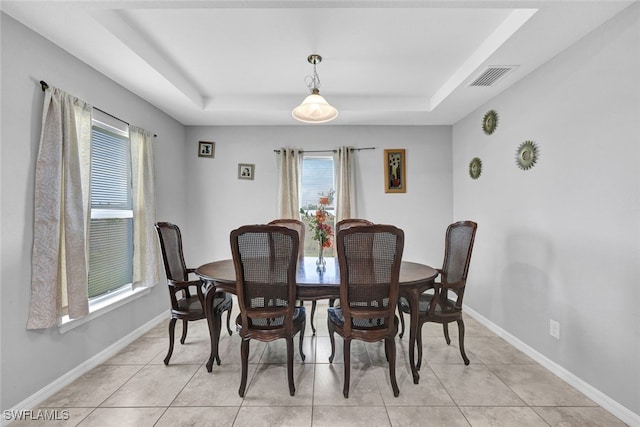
(265, 262)
(458, 247)
(293, 224)
(351, 222)
(171, 245)
(369, 258)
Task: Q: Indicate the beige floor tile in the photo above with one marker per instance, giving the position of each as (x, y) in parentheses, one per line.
(281, 416)
(363, 387)
(502, 416)
(141, 351)
(216, 388)
(429, 392)
(270, 386)
(194, 351)
(411, 416)
(93, 388)
(435, 350)
(578, 417)
(154, 385)
(122, 417)
(198, 416)
(475, 385)
(539, 387)
(496, 351)
(360, 416)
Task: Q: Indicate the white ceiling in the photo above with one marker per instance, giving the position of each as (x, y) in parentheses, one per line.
(238, 62)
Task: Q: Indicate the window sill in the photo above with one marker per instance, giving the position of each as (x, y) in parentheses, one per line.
(103, 307)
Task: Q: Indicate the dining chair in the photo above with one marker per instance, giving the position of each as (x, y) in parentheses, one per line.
(265, 258)
(438, 305)
(184, 305)
(369, 258)
(294, 224)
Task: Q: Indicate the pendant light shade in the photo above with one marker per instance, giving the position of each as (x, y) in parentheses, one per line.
(314, 108)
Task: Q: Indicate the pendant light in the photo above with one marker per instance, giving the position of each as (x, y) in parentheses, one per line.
(314, 108)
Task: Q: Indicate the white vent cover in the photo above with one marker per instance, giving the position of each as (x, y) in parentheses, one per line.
(492, 74)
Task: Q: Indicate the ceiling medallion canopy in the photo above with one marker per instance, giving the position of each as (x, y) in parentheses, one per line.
(314, 108)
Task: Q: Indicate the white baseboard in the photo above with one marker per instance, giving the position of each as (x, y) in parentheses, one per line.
(620, 411)
(43, 394)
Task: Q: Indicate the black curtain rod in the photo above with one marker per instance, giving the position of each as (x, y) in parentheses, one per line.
(329, 151)
(45, 86)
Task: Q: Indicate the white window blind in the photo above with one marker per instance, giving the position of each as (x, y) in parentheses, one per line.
(111, 229)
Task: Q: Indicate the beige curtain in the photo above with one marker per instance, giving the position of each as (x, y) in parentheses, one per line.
(60, 258)
(146, 264)
(289, 173)
(345, 184)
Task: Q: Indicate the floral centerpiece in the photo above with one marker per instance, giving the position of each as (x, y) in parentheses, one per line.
(322, 231)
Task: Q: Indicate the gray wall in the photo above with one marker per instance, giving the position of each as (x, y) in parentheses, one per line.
(561, 241)
(33, 359)
(225, 202)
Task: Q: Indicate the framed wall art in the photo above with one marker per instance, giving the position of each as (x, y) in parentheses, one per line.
(206, 149)
(245, 171)
(395, 171)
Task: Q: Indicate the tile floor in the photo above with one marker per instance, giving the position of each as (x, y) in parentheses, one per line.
(501, 387)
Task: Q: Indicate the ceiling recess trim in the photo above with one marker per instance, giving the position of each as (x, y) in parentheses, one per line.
(492, 75)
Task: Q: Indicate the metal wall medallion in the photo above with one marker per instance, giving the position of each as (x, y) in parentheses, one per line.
(527, 155)
(475, 168)
(490, 122)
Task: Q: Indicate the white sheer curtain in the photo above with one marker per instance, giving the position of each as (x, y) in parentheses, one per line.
(289, 167)
(60, 257)
(345, 184)
(146, 264)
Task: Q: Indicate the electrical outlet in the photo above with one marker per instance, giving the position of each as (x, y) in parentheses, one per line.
(554, 329)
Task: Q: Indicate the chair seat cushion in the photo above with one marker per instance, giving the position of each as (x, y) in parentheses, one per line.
(337, 318)
(299, 316)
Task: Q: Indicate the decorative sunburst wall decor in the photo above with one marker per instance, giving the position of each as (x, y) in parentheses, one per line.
(475, 168)
(527, 155)
(490, 122)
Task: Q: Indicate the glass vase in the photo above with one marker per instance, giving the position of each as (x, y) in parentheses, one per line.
(320, 262)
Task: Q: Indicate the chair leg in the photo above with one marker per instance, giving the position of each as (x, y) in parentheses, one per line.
(244, 355)
(419, 344)
(461, 341)
(390, 347)
(445, 329)
(347, 367)
(229, 318)
(313, 312)
(185, 324)
(215, 325)
(301, 340)
(332, 340)
(401, 315)
(172, 332)
(292, 387)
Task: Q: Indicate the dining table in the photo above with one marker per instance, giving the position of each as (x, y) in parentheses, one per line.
(314, 283)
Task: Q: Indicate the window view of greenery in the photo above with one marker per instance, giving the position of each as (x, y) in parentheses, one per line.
(317, 204)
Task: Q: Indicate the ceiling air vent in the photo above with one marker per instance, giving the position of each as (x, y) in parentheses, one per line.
(492, 74)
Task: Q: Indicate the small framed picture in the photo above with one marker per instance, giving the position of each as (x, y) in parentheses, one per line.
(206, 149)
(395, 171)
(245, 171)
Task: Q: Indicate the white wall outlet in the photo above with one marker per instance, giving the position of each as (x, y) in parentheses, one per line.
(554, 329)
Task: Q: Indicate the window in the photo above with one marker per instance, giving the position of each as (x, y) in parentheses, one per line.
(111, 226)
(317, 180)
